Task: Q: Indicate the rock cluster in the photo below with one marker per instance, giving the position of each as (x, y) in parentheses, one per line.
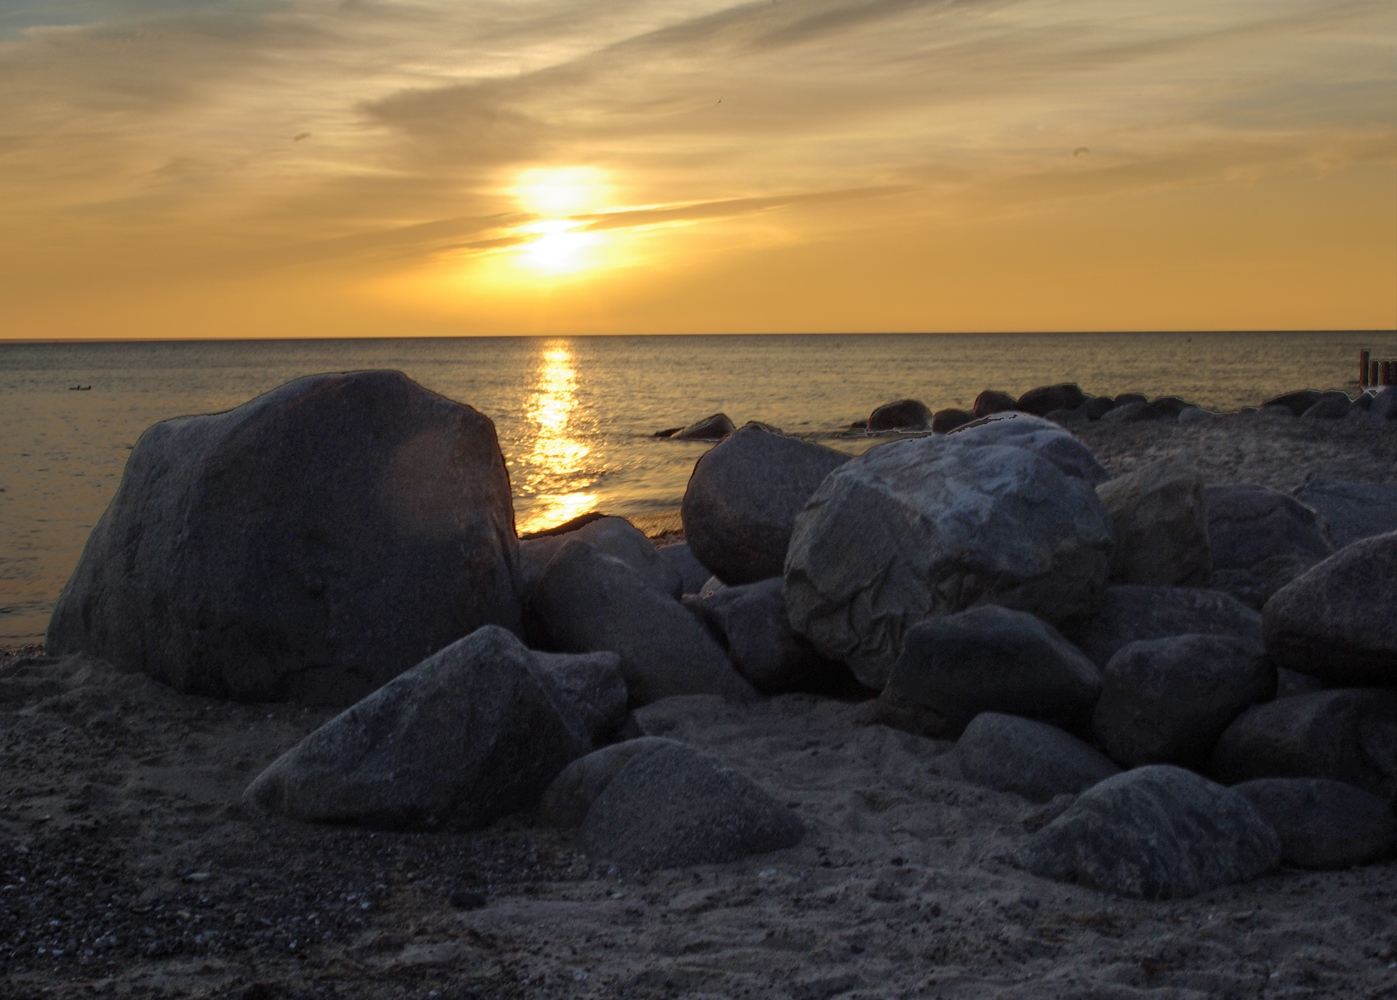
(1123, 650)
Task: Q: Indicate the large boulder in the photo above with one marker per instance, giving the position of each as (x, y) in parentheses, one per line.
(1156, 832)
(566, 800)
(587, 601)
(1346, 734)
(1166, 701)
(1042, 437)
(1336, 621)
(594, 684)
(1331, 406)
(750, 622)
(1045, 399)
(692, 573)
(1261, 539)
(713, 428)
(903, 415)
(311, 544)
(472, 733)
(743, 497)
(928, 527)
(985, 659)
(1322, 824)
(1161, 528)
(674, 806)
(1028, 758)
(1296, 402)
(615, 536)
(1352, 510)
(1129, 613)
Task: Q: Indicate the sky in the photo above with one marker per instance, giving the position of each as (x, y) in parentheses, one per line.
(305, 168)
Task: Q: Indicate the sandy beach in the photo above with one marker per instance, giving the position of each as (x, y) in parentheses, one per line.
(129, 866)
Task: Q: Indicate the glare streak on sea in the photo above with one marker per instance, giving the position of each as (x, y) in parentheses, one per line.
(575, 417)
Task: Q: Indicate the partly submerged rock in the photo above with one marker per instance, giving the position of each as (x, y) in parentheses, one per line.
(1336, 621)
(903, 415)
(985, 659)
(713, 428)
(1156, 832)
(674, 806)
(1166, 701)
(1322, 824)
(1161, 528)
(993, 401)
(743, 497)
(928, 527)
(1029, 758)
(587, 601)
(1045, 399)
(473, 733)
(311, 544)
(943, 421)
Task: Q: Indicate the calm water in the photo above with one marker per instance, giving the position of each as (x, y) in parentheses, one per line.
(575, 416)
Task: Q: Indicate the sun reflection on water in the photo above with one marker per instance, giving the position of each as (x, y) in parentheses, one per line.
(557, 455)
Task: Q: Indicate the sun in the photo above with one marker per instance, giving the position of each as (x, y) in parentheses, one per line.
(555, 244)
(560, 190)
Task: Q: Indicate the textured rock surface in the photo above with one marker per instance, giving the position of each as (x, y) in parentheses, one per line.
(1156, 832)
(1347, 734)
(743, 497)
(713, 428)
(588, 602)
(473, 733)
(614, 536)
(986, 659)
(1322, 823)
(310, 544)
(1261, 539)
(1042, 437)
(1336, 621)
(692, 573)
(1352, 510)
(595, 686)
(904, 415)
(1045, 399)
(927, 527)
(1029, 758)
(1130, 613)
(1161, 526)
(566, 800)
(1166, 701)
(674, 806)
(750, 622)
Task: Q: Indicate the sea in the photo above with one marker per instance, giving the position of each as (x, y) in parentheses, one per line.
(576, 417)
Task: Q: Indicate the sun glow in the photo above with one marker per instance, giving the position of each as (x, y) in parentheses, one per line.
(558, 455)
(558, 246)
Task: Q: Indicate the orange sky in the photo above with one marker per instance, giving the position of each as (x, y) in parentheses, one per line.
(224, 168)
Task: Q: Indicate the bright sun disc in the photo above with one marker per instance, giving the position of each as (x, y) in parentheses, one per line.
(559, 190)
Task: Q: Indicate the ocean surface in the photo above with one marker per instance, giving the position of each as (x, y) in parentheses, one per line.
(575, 417)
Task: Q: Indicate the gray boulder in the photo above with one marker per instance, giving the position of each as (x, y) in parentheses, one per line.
(1166, 701)
(614, 536)
(743, 497)
(311, 544)
(472, 733)
(1045, 399)
(1336, 621)
(1322, 824)
(1261, 539)
(1161, 526)
(566, 800)
(692, 573)
(713, 428)
(986, 659)
(1346, 734)
(595, 686)
(587, 601)
(1130, 613)
(1352, 510)
(928, 527)
(1028, 758)
(751, 624)
(673, 806)
(1156, 832)
(903, 415)
(1040, 436)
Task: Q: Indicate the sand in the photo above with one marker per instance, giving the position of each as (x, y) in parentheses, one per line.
(125, 856)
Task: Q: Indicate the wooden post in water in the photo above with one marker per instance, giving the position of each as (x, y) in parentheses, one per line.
(1373, 372)
(1363, 357)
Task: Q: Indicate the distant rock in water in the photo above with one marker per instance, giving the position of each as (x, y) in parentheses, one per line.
(667, 432)
(311, 544)
(1045, 399)
(904, 415)
(713, 428)
(993, 401)
(1296, 402)
(949, 419)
